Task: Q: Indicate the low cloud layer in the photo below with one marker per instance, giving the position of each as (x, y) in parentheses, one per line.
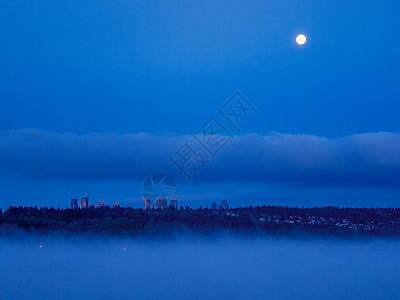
(371, 159)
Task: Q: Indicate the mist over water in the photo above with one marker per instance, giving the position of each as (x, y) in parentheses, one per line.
(193, 267)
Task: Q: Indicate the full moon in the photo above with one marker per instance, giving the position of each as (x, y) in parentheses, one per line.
(301, 39)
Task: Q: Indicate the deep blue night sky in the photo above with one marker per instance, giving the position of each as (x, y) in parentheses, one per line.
(94, 96)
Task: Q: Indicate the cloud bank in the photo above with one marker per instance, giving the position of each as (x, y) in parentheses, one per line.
(371, 159)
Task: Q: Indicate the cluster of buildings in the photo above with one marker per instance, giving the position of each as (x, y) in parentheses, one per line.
(84, 203)
(223, 206)
(161, 203)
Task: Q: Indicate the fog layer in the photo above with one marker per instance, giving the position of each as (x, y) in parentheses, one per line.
(199, 268)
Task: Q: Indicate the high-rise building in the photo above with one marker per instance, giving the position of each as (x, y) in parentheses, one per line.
(147, 204)
(214, 205)
(84, 202)
(224, 204)
(101, 204)
(158, 203)
(161, 203)
(174, 203)
(116, 205)
(74, 203)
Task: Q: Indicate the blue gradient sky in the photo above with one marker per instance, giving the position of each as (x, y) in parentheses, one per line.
(115, 68)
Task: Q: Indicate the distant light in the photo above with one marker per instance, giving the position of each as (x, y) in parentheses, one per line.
(301, 39)
(41, 246)
(124, 249)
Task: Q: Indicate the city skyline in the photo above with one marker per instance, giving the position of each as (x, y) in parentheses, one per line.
(160, 203)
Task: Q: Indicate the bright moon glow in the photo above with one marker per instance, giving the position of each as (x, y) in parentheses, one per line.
(301, 39)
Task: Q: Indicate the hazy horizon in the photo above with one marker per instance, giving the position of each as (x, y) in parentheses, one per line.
(198, 267)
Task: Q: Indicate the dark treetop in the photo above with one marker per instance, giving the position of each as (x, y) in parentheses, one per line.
(261, 219)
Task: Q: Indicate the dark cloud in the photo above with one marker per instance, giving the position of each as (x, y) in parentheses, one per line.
(371, 159)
